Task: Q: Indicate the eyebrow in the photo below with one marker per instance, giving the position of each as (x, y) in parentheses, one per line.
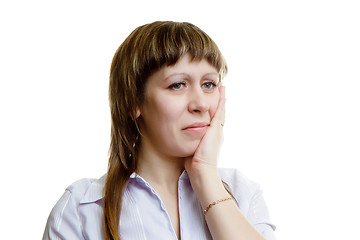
(176, 74)
(212, 73)
(188, 76)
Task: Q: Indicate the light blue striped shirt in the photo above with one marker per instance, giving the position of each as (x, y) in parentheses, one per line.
(79, 213)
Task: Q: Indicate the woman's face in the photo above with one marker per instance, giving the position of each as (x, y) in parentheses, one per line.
(179, 103)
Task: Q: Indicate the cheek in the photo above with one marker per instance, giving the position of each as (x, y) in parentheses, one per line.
(169, 109)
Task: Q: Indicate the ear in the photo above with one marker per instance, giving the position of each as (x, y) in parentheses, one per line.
(138, 113)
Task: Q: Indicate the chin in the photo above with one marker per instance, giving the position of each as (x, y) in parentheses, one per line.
(187, 151)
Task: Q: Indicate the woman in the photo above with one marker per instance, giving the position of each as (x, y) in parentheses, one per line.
(167, 108)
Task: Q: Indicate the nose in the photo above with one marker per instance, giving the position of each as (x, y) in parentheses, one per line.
(198, 101)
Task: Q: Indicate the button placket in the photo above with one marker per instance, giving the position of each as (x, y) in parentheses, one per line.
(163, 207)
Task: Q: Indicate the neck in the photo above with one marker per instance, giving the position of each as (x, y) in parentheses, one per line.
(159, 169)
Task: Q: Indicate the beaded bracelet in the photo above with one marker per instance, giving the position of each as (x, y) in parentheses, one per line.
(214, 203)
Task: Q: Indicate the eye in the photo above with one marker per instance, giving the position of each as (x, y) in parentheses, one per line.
(209, 85)
(177, 86)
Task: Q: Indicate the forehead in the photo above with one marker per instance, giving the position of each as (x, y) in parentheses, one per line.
(185, 65)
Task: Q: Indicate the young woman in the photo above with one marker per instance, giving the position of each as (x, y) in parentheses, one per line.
(167, 106)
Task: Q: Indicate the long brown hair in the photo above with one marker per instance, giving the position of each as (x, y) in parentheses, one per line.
(144, 51)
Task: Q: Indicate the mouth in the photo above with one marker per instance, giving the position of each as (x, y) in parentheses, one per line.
(197, 127)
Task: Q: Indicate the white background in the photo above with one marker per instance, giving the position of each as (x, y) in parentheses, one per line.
(293, 103)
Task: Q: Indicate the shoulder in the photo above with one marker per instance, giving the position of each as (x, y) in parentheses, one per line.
(79, 188)
(238, 182)
(73, 195)
(243, 190)
(64, 219)
(87, 190)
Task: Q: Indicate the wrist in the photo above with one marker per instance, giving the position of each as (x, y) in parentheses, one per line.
(208, 187)
(204, 177)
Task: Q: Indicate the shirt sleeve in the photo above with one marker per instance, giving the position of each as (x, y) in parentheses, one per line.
(63, 222)
(258, 215)
(250, 200)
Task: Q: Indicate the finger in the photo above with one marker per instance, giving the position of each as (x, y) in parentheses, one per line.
(219, 116)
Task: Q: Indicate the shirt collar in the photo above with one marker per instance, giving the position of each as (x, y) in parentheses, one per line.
(94, 192)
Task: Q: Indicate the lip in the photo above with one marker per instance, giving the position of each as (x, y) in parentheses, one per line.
(198, 127)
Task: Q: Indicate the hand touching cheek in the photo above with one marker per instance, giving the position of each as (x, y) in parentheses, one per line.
(205, 157)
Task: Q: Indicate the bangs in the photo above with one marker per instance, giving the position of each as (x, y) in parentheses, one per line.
(164, 43)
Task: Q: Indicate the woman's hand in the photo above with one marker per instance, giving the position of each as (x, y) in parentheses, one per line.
(225, 220)
(204, 160)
